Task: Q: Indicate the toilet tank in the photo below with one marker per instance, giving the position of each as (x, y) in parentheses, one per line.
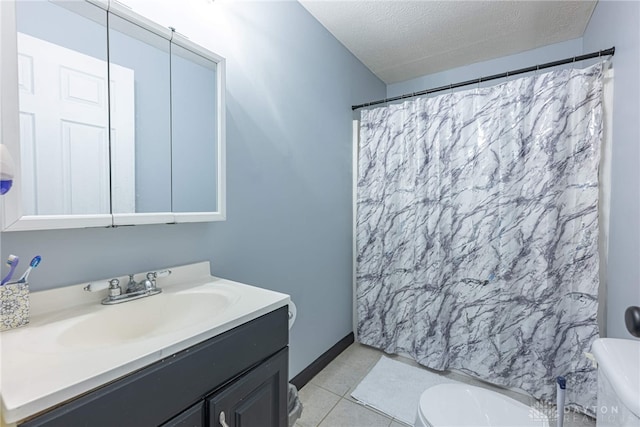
(618, 382)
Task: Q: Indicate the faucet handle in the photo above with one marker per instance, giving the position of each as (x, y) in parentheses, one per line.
(113, 285)
(150, 283)
(158, 274)
(114, 288)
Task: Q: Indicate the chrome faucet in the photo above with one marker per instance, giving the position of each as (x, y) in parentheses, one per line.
(147, 284)
(134, 290)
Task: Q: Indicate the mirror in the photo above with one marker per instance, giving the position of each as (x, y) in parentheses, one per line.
(118, 121)
(63, 108)
(139, 71)
(194, 113)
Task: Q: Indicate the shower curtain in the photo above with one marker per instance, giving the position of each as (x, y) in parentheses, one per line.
(477, 231)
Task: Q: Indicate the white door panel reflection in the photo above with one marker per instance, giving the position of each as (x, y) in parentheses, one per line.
(64, 121)
(83, 148)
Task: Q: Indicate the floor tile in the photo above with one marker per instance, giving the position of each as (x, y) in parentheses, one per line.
(349, 414)
(316, 404)
(343, 374)
(339, 378)
(360, 354)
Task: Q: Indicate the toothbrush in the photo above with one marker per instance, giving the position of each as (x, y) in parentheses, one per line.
(12, 262)
(560, 391)
(34, 263)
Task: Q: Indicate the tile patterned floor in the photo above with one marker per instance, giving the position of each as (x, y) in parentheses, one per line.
(327, 400)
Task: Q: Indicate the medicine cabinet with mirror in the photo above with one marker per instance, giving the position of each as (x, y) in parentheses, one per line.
(111, 119)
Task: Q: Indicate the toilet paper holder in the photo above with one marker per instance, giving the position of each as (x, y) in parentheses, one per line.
(292, 313)
(632, 320)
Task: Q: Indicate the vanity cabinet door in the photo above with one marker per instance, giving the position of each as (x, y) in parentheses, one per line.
(192, 417)
(257, 399)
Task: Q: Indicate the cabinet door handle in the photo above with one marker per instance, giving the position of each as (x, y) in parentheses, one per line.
(223, 423)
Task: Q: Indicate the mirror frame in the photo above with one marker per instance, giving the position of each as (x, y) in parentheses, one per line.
(12, 217)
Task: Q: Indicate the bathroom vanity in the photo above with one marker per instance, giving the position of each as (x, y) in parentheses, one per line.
(204, 352)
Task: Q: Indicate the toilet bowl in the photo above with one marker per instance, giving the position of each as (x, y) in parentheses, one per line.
(462, 405)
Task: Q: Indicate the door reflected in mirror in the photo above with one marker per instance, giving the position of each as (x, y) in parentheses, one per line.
(120, 120)
(63, 106)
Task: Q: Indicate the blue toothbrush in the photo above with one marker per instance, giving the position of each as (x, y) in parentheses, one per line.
(12, 262)
(33, 264)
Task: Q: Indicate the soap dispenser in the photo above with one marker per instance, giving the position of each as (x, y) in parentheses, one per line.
(6, 170)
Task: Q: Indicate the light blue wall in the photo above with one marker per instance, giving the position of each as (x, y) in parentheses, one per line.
(290, 88)
(289, 156)
(618, 23)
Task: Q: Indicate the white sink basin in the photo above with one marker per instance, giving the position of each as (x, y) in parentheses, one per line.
(146, 317)
(73, 344)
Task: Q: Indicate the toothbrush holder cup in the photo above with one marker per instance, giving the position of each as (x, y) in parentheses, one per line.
(14, 305)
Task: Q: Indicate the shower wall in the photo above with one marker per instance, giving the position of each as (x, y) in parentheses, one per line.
(618, 23)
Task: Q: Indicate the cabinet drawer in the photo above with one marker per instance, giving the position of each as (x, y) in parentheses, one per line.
(155, 394)
(257, 399)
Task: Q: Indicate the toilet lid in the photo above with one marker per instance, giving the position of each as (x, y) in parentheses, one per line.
(458, 405)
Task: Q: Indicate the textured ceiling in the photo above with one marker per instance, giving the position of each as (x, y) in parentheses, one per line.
(399, 40)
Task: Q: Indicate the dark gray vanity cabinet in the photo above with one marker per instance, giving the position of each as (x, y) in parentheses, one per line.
(258, 399)
(192, 417)
(242, 372)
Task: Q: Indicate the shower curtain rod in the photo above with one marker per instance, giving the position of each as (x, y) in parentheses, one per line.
(611, 51)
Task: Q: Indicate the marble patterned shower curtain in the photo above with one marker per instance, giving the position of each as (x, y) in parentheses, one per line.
(477, 231)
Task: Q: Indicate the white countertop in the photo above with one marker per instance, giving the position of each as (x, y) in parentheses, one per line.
(41, 367)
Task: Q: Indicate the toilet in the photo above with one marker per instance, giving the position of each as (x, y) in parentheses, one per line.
(618, 382)
(462, 405)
